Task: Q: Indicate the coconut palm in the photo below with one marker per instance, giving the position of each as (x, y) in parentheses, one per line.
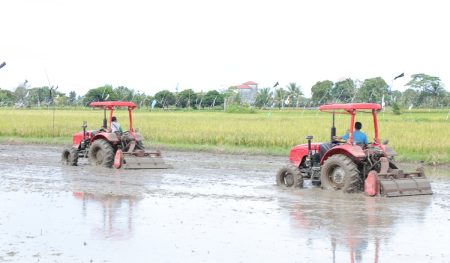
(263, 97)
(280, 97)
(294, 92)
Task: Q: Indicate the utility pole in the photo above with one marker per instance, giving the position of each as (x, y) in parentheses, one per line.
(53, 104)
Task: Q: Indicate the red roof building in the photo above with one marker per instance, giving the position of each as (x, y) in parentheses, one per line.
(243, 86)
(248, 91)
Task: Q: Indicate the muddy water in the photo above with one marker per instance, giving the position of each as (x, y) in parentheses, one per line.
(209, 208)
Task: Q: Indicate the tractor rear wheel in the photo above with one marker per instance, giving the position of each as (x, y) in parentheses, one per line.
(69, 156)
(101, 153)
(339, 172)
(289, 176)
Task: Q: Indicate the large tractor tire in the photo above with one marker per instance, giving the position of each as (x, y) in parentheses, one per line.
(101, 153)
(289, 176)
(339, 172)
(69, 156)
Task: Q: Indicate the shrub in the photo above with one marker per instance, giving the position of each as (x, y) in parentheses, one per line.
(239, 109)
(396, 109)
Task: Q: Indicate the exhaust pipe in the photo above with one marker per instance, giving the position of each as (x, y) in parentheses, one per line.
(309, 138)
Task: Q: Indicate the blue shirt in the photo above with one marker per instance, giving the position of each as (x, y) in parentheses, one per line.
(358, 137)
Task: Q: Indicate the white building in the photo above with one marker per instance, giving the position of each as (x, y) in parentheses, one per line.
(247, 91)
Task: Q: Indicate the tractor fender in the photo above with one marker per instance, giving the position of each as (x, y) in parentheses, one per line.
(110, 137)
(353, 151)
(298, 153)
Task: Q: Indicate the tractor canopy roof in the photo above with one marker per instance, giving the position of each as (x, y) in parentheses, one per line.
(113, 104)
(350, 108)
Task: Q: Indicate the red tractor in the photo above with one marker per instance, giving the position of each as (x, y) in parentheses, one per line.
(350, 167)
(106, 148)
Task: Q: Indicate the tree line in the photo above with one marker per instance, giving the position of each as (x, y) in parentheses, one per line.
(422, 91)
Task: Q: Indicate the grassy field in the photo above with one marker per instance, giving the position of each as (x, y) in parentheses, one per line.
(416, 136)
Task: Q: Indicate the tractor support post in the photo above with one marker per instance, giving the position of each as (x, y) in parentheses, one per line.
(375, 126)
(131, 119)
(111, 111)
(105, 122)
(352, 124)
(333, 129)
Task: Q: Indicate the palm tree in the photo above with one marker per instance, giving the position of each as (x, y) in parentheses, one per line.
(263, 97)
(294, 92)
(280, 96)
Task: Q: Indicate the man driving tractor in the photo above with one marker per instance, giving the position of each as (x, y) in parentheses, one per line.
(115, 125)
(359, 137)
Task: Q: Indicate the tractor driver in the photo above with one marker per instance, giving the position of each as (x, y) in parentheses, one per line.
(359, 137)
(115, 125)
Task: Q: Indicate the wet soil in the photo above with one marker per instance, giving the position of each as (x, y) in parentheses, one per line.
(208, 208)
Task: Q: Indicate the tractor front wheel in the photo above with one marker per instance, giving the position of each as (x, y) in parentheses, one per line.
(339, 172)
(101, 153)
(69, 156)
(289, 176)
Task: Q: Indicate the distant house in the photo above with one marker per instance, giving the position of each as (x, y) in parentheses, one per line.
(247, 91)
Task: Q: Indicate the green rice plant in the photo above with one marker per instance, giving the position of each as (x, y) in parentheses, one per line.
(416, 136)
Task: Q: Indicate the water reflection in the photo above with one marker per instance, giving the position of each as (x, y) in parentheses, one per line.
(108, 203)
(116, 220)
(356, 226)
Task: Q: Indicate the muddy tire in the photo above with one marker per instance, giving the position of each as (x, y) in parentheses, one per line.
(289, 176)
(339, 172)
(101, 153)
(69, 156)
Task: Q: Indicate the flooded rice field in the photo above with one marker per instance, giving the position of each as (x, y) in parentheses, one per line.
(208, 208)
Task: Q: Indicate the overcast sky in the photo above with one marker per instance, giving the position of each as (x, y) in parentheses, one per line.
(205, 44)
